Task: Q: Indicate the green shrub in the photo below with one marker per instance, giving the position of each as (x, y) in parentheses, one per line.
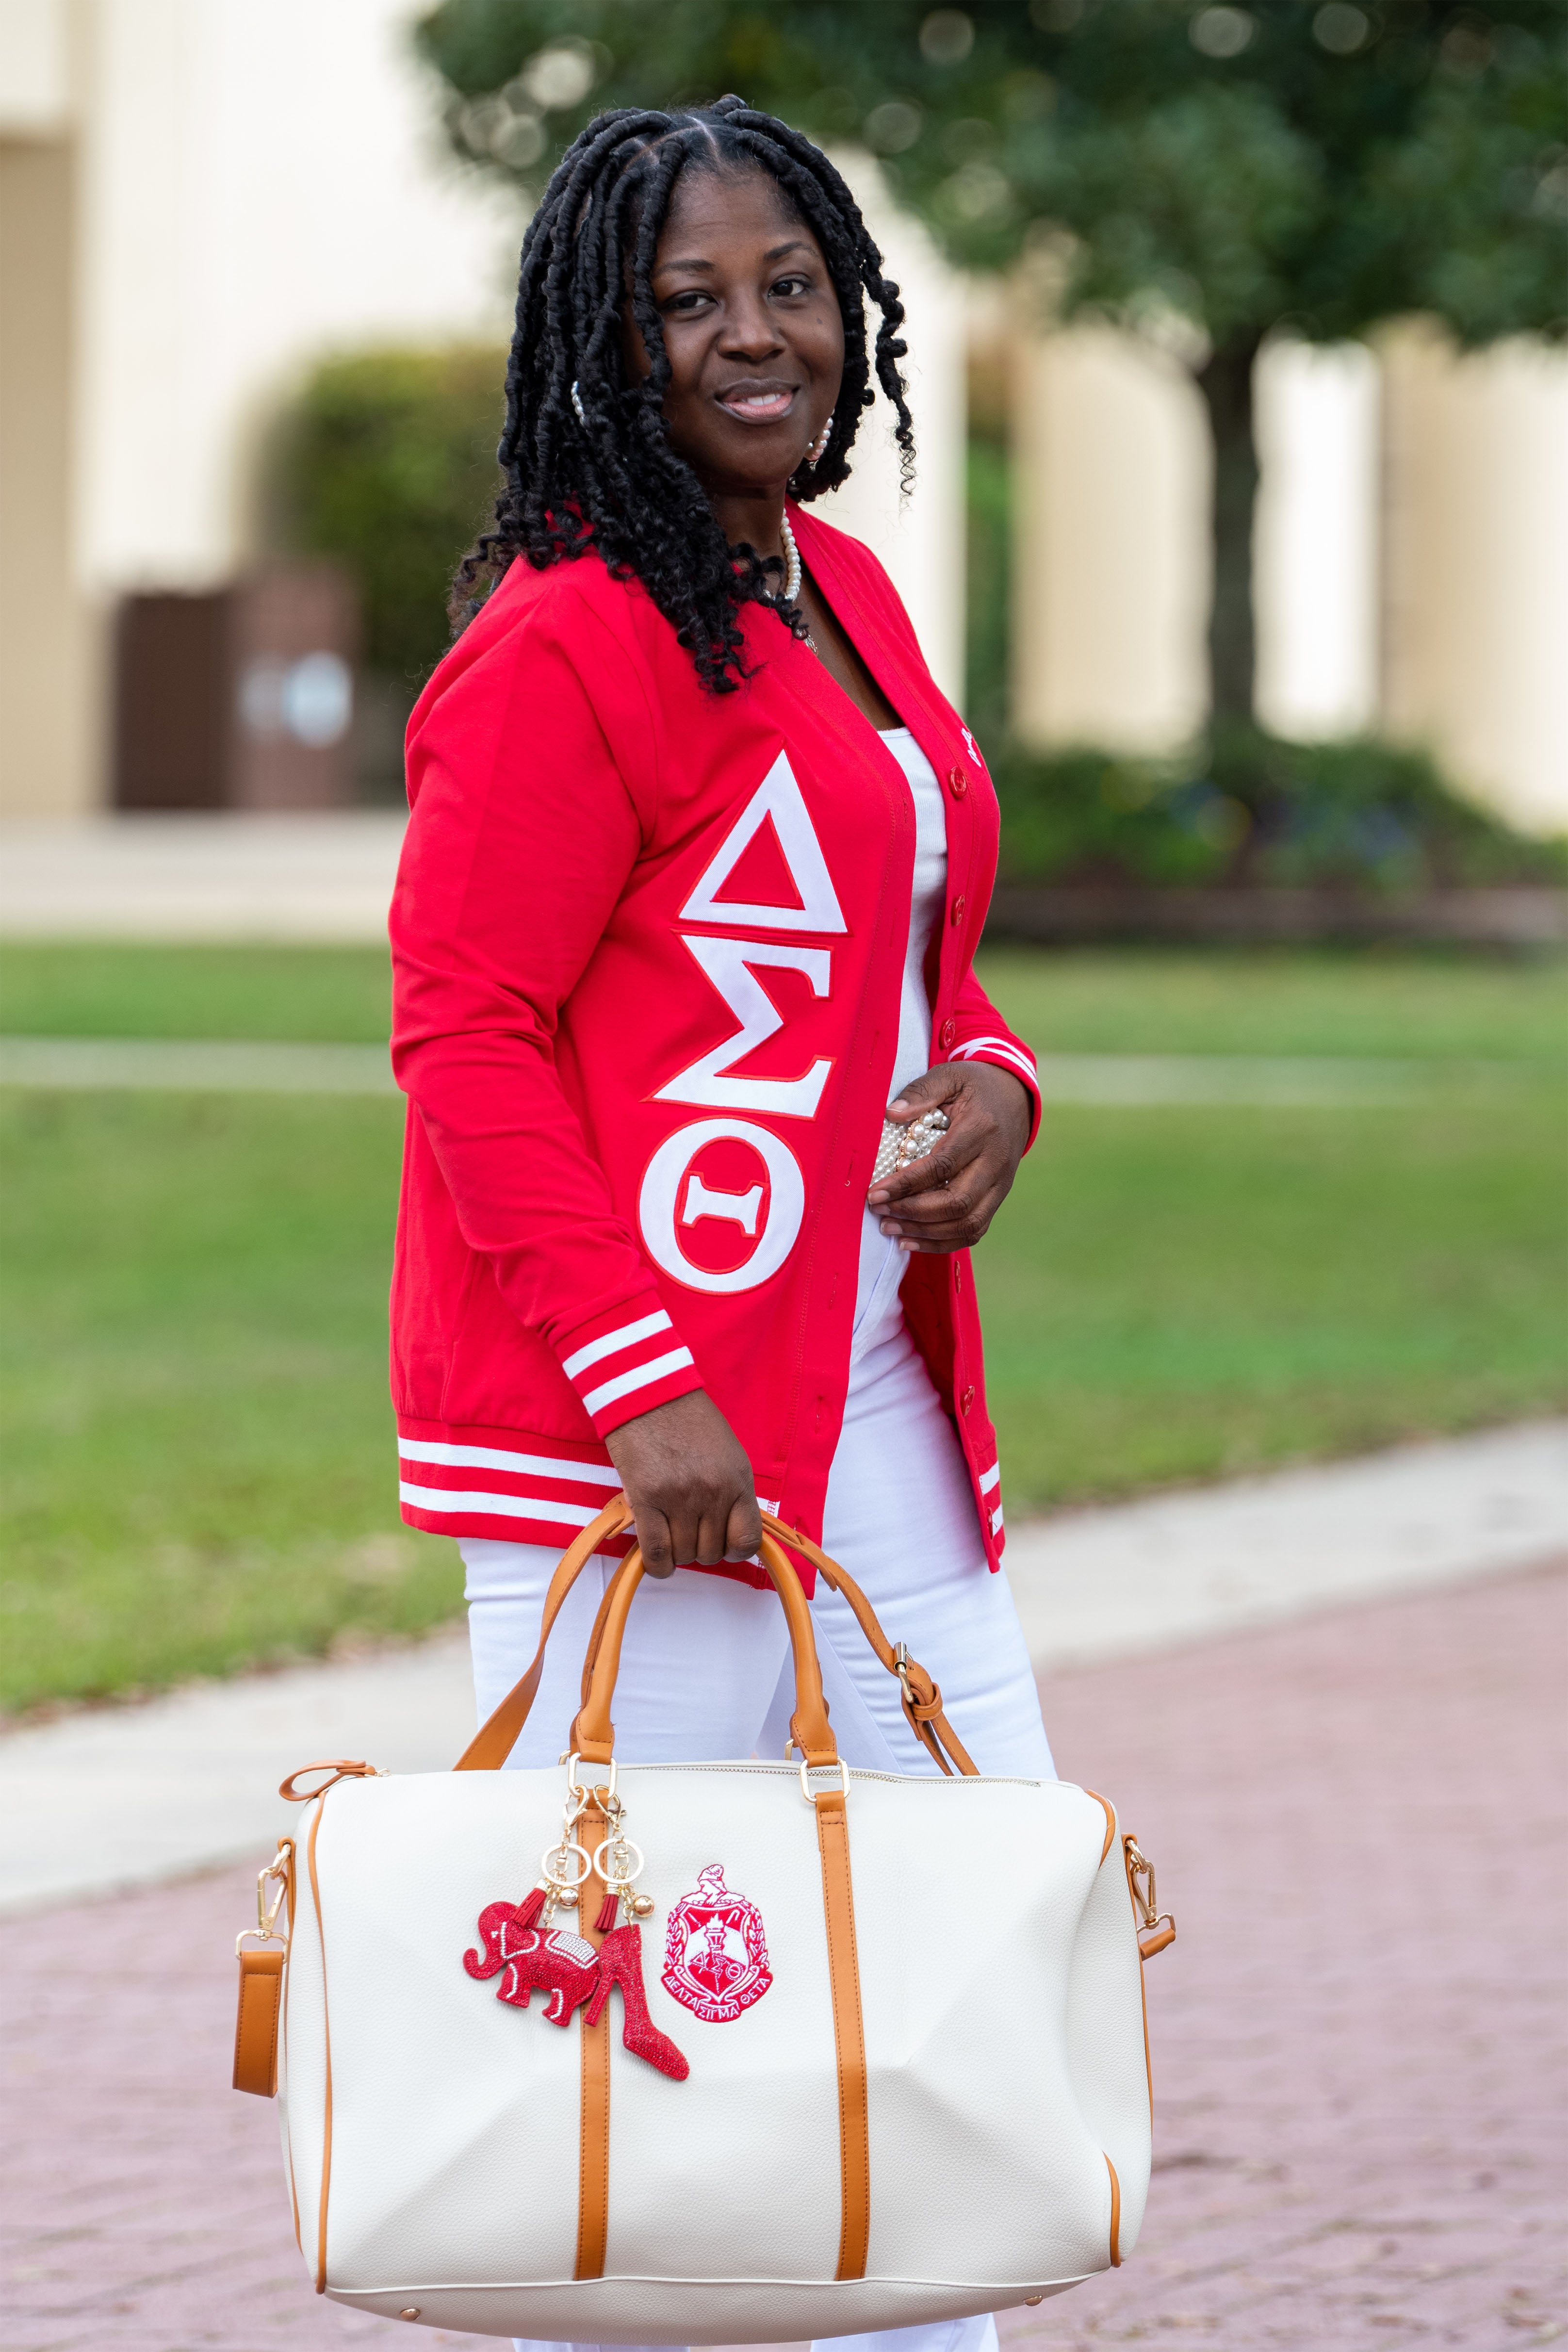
(1249, 809)
(387, 461)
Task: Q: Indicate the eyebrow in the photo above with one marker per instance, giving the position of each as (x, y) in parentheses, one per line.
(775, 253)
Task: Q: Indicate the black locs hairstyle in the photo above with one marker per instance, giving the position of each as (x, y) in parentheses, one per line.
(606, 479)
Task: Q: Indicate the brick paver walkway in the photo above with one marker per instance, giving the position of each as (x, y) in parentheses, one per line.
(1358, 2039)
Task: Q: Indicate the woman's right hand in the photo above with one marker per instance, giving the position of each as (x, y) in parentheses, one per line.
(690, 1484)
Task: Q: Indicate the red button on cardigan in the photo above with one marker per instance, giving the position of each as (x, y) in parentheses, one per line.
(957, 782)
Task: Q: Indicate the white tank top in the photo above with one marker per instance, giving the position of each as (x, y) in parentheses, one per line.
(879, 1314)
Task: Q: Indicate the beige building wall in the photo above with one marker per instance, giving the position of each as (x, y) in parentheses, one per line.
(199, 198)
(1110, 543)
(1411, 552)
(1475, 531)
(919, 537)
(49, 700)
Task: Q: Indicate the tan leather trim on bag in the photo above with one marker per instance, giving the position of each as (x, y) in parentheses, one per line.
(594, 2161)
(1115, 2215)
(920, 1697)
(495, 1740)
(1109, 1811)
(327, 2051)
(848, 2034)
(256, 2025)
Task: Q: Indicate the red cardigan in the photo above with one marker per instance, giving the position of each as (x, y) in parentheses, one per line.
(648, 945)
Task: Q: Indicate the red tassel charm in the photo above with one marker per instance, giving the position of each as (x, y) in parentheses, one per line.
(607, 1918)
(620, 1962)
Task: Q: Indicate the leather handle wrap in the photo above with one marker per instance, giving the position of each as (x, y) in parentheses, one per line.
(593, 1734)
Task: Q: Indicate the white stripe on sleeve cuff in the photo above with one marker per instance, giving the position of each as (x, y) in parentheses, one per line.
(625, 1383)
(610, 1343)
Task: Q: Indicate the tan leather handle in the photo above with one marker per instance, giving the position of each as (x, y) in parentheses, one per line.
(593, 1734)
(921, 1700)
(495, 1740)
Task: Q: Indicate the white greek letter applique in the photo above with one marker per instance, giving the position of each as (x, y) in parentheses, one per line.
(778, 797)
(720, 1204)
(715, 1952)
(709, 1079)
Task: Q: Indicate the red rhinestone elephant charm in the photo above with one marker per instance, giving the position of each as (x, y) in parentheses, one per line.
(528, 1957)
(563, 1965)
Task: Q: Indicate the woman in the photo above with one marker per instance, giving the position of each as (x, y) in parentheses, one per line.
(697, 861)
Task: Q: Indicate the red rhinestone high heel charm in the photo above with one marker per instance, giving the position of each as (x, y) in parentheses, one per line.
(620, 1954)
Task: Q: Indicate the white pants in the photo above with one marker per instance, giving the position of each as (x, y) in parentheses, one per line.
(706, 1672)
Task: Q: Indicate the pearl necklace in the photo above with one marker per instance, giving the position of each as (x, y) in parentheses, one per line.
(791, 588)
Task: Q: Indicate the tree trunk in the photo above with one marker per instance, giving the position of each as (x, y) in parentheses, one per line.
(1226, 382)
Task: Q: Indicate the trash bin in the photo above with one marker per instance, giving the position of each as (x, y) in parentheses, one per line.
(242, 697)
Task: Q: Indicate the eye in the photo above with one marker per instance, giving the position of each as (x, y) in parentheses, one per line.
(793, 284)
(691, 300)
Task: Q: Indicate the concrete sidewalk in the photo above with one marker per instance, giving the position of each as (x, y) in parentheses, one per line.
(1357, 2038)
(167, 877)
(124, 1796)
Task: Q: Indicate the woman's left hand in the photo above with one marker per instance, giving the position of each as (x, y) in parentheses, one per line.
(946, 1201)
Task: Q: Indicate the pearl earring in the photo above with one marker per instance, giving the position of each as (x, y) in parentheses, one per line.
(577, 404)
(813, 454)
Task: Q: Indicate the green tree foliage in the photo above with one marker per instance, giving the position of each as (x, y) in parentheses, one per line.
(1317, 166)
(387, 461)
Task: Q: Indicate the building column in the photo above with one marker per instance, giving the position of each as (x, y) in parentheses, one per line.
(1475, 528)
(1112, 568)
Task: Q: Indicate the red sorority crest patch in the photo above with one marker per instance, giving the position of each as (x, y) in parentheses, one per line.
(715, 1952)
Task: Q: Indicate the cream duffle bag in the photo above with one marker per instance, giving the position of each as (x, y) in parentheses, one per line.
(700, 2053)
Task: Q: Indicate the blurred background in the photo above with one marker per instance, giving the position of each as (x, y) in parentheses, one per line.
(1240, 534)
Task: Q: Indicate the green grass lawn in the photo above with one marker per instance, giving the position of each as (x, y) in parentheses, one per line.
(200, 1471)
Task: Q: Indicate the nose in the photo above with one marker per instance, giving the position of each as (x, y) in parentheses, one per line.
(750, 333)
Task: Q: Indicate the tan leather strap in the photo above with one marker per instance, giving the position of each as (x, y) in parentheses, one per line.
(597, 1637)
(255, 2026)
(848, 2034)
(593, 2163)
(593, 1734)
(921, 1696)
(338, 1768)
(1115, 2215)
(494, 1741)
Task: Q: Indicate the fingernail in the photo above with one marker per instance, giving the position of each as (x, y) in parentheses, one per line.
(879, 1197)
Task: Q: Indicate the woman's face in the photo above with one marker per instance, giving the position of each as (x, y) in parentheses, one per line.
(752, 328)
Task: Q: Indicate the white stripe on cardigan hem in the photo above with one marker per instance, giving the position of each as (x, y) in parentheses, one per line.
(496, 1457)
(454, 1500)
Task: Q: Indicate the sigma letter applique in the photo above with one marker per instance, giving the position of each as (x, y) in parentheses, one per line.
(715, 1952)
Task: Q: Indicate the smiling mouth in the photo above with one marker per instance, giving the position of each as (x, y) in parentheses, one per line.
(758, 403)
